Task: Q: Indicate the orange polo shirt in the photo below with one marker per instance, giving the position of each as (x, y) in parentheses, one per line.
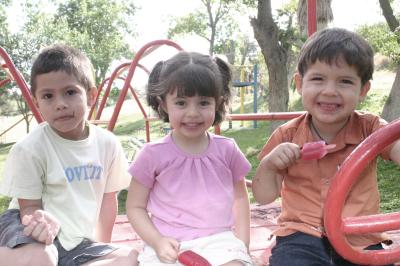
(306, 183)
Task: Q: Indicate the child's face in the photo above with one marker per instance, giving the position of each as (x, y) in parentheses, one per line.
(330, 93)
(190, 117)
(63, 103)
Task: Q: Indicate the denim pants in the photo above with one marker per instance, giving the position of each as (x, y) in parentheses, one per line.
(300, 249)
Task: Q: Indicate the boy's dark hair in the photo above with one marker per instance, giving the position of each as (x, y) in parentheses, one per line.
(60, 57)
(191, 74)
(331, 44)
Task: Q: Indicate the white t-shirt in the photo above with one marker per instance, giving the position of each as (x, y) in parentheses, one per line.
(70, 177)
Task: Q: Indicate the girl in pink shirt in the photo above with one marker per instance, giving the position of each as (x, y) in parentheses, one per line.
(188, 189)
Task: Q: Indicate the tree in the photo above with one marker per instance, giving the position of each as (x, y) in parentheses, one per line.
(215, 23)
(275, 45)
(98, 27)
(6, 107)
(391, 110)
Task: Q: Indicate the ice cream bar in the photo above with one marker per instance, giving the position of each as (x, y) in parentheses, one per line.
(190, 258)
(315, 150)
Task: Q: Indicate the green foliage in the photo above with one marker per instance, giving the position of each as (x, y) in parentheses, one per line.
(195, 22)
(98, 27)
(382, 40)
(216, 22)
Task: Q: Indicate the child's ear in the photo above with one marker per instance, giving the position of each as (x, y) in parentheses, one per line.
(364, 90)
(91, 96)
(161, 104)
(298, 82)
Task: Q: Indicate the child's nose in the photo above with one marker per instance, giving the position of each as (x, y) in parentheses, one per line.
(193, 110)
(330, 88)
(61, 103)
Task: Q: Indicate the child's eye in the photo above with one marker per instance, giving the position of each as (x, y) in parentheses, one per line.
(347, 81)
(316, 79)
(71, 92)
(180, 103)
(205, 103)
(47, 96)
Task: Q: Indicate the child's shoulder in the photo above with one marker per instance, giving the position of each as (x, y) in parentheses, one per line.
(365, 117)
(36, 135)
(292, 126)
(100, 132)
(159, 144)
(221, 139)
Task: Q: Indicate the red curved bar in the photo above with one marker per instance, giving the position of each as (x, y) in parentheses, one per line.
(4, 82)
(336, 227)
(21, 84)
(117, 71)
(149, 47)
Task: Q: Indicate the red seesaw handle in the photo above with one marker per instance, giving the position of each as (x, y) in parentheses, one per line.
(190, 258)
(336, 227)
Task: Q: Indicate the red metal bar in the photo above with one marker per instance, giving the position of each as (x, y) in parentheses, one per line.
(21, 84)
(99, 89)
(115, 73)
(118, 71)
(148, 47)
(258, 117)
(349, 172)
(4, 82)
(263, 116)
(312, 16)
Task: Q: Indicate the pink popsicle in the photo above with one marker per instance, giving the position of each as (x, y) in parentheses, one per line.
(190, 258)
(315, 150)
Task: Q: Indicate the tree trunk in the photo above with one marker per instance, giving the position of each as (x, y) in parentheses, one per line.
(266, 34)
(391, 110)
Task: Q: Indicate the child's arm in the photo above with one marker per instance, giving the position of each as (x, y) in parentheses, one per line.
(136, 208)
(241, 211)
(107, 216)
(39, 224)
(267, 182)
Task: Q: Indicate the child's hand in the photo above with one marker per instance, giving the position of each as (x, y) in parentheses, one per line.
(41, 226)
(167, 250)
(283, 156)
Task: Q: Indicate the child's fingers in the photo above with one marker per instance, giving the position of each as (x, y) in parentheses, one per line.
(50, 239)
(30, 227)
(46, 236)
(26, 219)
(37, 231)
(38, 215)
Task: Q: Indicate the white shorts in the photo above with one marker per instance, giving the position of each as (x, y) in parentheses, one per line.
(217, 249)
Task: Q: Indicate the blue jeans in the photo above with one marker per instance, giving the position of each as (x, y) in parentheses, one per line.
(300, 249)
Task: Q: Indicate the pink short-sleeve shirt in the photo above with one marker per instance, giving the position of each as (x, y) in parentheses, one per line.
(190, 196)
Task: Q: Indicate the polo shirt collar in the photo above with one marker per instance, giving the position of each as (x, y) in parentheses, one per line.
(350, 134)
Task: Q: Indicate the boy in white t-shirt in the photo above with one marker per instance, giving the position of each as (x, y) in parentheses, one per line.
(64, 175)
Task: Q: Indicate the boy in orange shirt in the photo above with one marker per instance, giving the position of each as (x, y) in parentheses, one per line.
(334, 72)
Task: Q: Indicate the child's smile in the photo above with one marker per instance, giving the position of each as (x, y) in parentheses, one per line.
(331, 92)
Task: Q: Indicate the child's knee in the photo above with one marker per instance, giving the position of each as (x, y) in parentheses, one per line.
(34, 254)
